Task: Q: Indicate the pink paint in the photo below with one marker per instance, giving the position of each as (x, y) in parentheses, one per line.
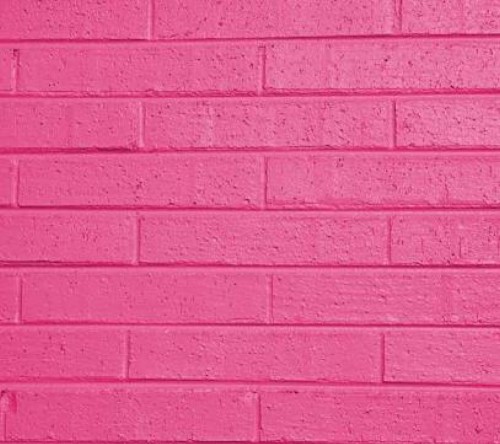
(250, 221)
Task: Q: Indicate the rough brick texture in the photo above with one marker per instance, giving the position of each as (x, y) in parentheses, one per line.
(144, 297)
(256, 354)
(269, 123)
(436, 356)
(68, 124)
(6, 64)
(456, 123)
(7, 182)
(326, 181)
(66, 237)
(249, 221)
(185, 19)
(439, 239)
(182, 69)
(381, 415)
(9, 298)
(135, 181)
(392, 66)
(263, 239)
(451, 16)
(61, 353)
(118, 414)
(73, 19)
(389, 297)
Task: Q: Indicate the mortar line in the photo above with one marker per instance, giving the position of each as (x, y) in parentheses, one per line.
(128, 348)
(270, 290)
(3, 425)
(251, 385)
(306, 95)
(262, 53)
(20, 301)
(365, 212)
(399, 17)
(142, 124)
(394, 121)
(137, 239)
(259, 418)
(303, 151)
(199, 266)
(382, 353)
(266, 183)
(140, 41)
(151, 20)
(389, 241)
(16, 183)
(298, 210)
(15, 70)
(262, 325)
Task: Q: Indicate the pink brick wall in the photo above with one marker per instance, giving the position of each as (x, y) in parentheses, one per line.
(250, 221)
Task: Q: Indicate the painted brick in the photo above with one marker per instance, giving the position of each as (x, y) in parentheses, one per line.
(256, 354)
(9, 298)
(180, 69)
(368, 180)
(54, 353)
(181, 19)
(73, 19)
(67, 124)
(45, 237)
(405, 65)
(263, 239)
(381, 415)
(268, 123)
(387, 297)
(150, 180)
(6, 60)
(7, 178)
(462, 356)
(439, 239)
(249, 221)
(451, 16)
(219, 181)
(114, 414)
(144, 297)
(453, 123)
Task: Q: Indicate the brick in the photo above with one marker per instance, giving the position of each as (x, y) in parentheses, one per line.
(475, 182)
(439, 239)
(387, 297)
(263, 239)
(75, 19)
(268, 123)
(181, 19)
(178, 69)
(6, 59)
(45, 237)
(132, 414)
(381, 415)
(402, 65)
(59, 353)
(142, 180)
(9, 298)
(471, 357)
(68, 124)
(361, 181)
(256, 354)
(451, 16)
(144, 297)
(7, 178)
(453, 123)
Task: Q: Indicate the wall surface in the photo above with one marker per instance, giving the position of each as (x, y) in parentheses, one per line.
(250, 221)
